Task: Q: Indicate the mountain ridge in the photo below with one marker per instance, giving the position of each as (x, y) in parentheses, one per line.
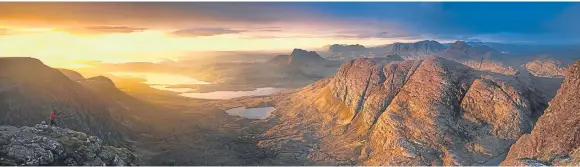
(30, 90)
(433, 112)
(554, 139)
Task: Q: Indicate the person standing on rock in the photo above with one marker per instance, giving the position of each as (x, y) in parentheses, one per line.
(53, 117)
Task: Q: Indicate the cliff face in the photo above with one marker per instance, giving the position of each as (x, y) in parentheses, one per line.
(419, 112)
(555, 138)
(48, 145)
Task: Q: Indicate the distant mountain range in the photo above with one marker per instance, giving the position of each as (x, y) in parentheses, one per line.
(478, 55)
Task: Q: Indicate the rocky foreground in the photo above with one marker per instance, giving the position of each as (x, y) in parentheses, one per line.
(555, 140)
(48, 145)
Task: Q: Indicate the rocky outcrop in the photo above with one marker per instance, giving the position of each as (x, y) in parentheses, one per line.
(47, 145)
(422, 112)
(302, 63)
(300, 56)
(555, 138)
(545, 67)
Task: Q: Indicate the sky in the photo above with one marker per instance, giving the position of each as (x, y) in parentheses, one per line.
(60, 34)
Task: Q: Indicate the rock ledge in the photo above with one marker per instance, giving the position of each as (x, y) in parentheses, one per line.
(48, 145)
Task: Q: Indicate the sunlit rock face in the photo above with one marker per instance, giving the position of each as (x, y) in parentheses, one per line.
(416, 112)
(554, 139)
(49, 145)
(545, 67)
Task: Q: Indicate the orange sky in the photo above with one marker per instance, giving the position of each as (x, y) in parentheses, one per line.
(61, 33)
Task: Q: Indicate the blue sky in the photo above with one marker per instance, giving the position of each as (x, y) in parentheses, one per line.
(501, 21)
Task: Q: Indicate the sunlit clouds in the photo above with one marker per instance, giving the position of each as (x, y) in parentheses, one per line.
(60, 33)
(61, 48)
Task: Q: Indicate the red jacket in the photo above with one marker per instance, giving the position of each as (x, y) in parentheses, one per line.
(52, 116)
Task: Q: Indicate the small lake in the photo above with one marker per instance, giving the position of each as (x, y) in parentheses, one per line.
(167, 88)
(233, 94)
(160, 78)
(163, 81)
(252, 113)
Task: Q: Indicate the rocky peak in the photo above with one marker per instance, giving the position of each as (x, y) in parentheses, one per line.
(298, 57)
(471, 51)
(554, 139)
(303, 55)
(338, 48)
(460, 45)
(430, 44)
(48, 145)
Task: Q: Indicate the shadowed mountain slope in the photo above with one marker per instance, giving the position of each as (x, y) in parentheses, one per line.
(555, 138)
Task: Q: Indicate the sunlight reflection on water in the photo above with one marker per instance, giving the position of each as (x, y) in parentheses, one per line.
(233, 94)
(163, 81)
(252, 113)
(160, 78)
